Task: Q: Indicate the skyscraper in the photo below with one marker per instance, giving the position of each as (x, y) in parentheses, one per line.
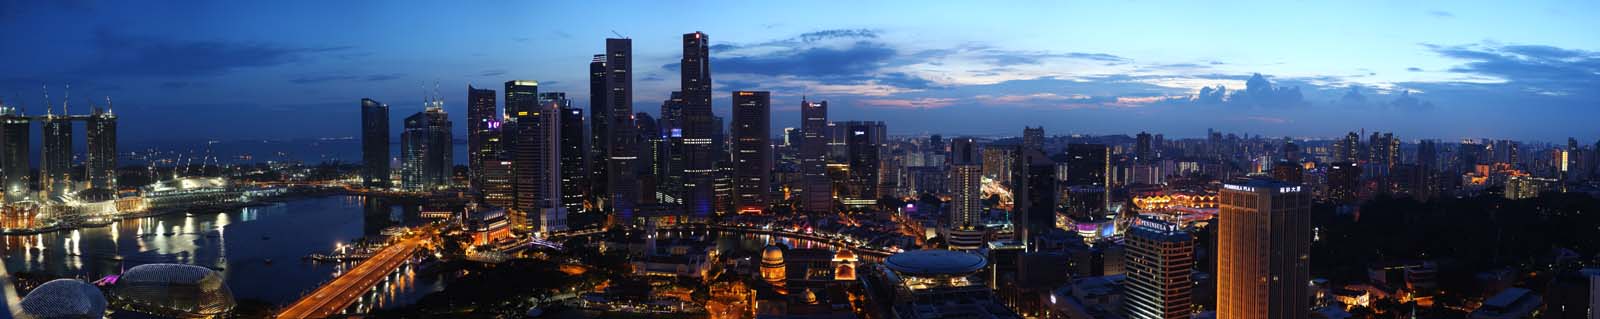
(1159, 259)
(1035, 189)
(574, 158)
(15, 162)
(481, 114)
(966, 176)
(698, 127)
(1033, 138)
(1263, 245)
(101, 159)
(752, 150)
(55, 158)
(374, 143)
(864, 142)
(816, 192)
(425, 148)
(1088, 184)
(1142, 150)
(599, 135)
(536, 165)
(670, 165)
(622, 141)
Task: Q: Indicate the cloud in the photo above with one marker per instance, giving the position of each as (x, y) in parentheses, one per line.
(915, 103)
(1411, 103)
(495, 72)
(1258, 92)
(118, 54)
(1353, 96)
(860, 57)
(1540, 69)
(1441, 14)
(1414, 69)
(385, 77)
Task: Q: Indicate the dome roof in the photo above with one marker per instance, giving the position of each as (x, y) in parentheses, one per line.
(844, 255)
(65, 298)
(773, 253)
(935, 262)
(175, 288)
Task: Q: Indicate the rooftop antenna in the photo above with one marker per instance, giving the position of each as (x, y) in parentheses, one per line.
(66, 99)
(47, 108)
(108, 104)
(619, 35)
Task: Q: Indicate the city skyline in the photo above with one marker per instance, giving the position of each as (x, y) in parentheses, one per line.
(1444, 67)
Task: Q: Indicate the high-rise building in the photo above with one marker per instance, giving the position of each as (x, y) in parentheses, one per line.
(864, 141)
(55, 158)
(1158, 260)
(599, 136)
(669, 167)
(752, 150)
(1344, 182)
(1088, 179)
(701, 152)
(966, 176)
(574, 158)
(1033, 138)
(1035, 191)
(816, 191)
(1263, 245)
(101, 160)
(374, 143)
(1348, 149)
(14, 149)
(425, 148)
(499, 183)
(536, 165)
(481, 115)
(1142, 150)
(1425, 182)
(622, 142)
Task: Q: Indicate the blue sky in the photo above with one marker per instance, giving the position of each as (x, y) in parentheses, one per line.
(246, 70)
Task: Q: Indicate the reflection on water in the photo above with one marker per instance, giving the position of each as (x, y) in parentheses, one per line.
(258, 249)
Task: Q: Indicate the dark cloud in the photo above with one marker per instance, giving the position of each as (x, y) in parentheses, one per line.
(130, 55)
(492, 73)
(861, 57)
(1353, 96)
(1414, 69)
(1408, 102)
(903, 80)
(1545, 70)
(1258, 92)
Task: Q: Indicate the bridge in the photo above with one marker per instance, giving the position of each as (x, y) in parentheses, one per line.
(333, 297)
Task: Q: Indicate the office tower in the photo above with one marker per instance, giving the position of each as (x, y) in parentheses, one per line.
(481, 113)
(101, 159)
(1088, 179)
(1424, 184)
(1468, 155)
(1344, 181)
(1290, 152)
(14, 158)
(599, 136)
(816, 192)
(535, 155)
(997, 162)
(965, 182)
(1348, 149)
(374, 143)
(499, 183)
(1263, 244)
(425, 148)
(1033, 138)
(1158, 259)
(55, 158)
(670, 164)
(1142, 151)
(863, 141)
(651, 145)
(1034, 194)
(752, 150)
(1290, 172)
(622, 142)
(574, 158)
(700, 152)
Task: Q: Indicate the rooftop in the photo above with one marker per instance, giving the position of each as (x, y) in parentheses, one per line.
(935, 262)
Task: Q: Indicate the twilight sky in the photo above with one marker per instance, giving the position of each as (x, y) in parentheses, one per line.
(290, 69)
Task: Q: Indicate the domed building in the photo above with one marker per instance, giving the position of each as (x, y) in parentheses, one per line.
(64, 298)
(844, 265)
(173, 290)
(773, 270)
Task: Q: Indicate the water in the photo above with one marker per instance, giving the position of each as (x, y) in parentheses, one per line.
(238, 242)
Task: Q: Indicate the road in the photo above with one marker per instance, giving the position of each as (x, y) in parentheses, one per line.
(336, 295)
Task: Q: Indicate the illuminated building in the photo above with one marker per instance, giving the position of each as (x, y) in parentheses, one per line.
(667, 142)
(1344, 182)
(1142, 150)
(752, 150)
(1509, 303)
(173, 290)
(966, 204)
(863, 142)
(487, 224)
(574, 158)
(773, 270)
(55, 158)
(100, 162)
(844, 265)
(816, 192)
(482, 122)
(1263, 244)
(499, 189)
(1087, 181)
(535, 154)
(997, 161)
(702, 150)
(1158, 262)
(599, 135)
(63, 298)
(1524, 186)
(425, 148)
(374, 143)
(15, 144)
(622, 149)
